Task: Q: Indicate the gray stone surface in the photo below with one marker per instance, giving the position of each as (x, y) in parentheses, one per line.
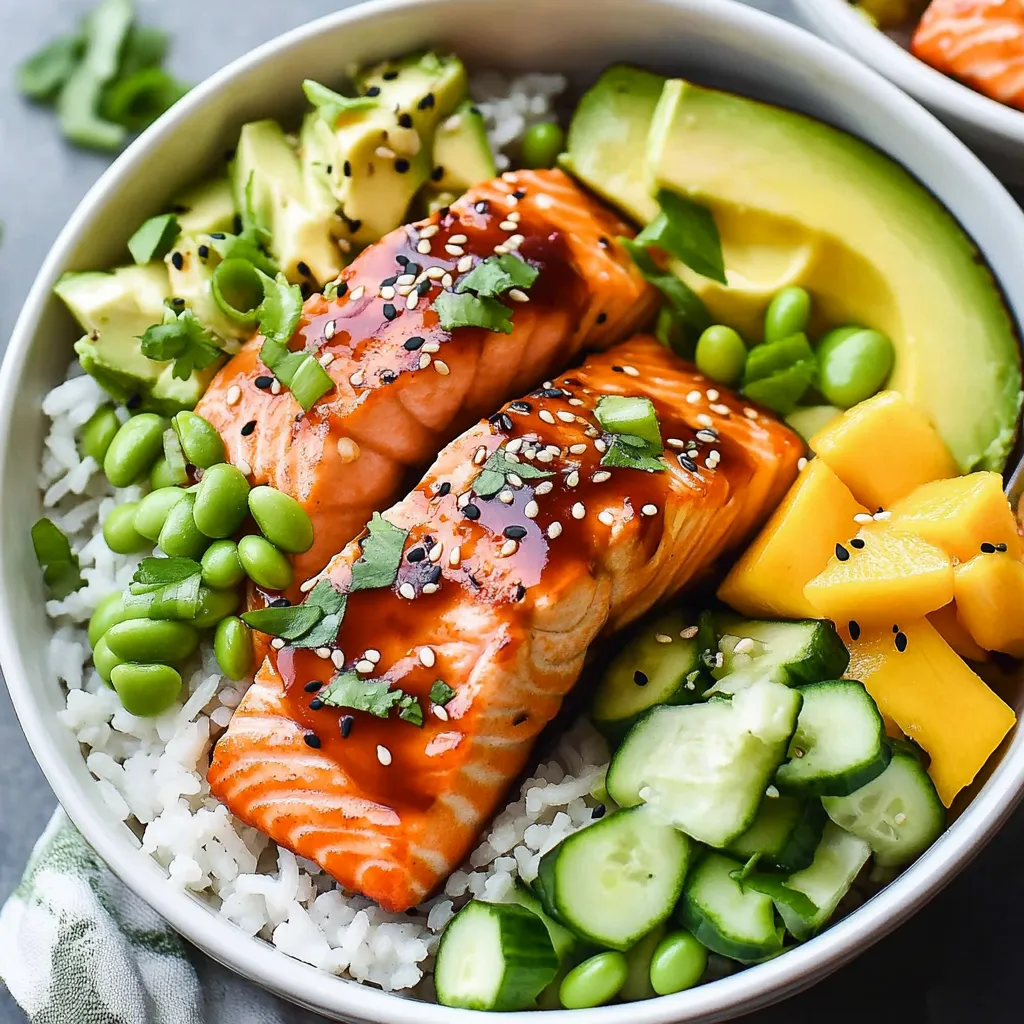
(953, 964)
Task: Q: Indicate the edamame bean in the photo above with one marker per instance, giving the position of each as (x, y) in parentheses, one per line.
(179, 535)
(232, 643)
(104, 659)
(221, 567)
(145, 640)
(119, 529)
(146, 690)
(98, 432)
(221, 500)
(109, 612)
(214, 605)
(594, 982)
(541, 145)
(282, 519)
(163, 474)
(787, 313)
(853, 365)
(264, 564)
(678, 963)
(199, 439)
(721, 354)
(154, 509)
(134, 448)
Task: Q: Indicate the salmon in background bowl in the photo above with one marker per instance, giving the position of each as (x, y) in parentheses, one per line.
(796, 227)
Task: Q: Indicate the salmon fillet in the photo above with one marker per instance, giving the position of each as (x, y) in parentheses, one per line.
(981, 42)
(404, 386)
(499, 597)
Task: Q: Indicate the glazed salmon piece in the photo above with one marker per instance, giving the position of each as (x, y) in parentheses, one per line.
(498, 596)
(404, 386)
(981, 42)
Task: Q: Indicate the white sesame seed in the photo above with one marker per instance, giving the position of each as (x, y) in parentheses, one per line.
(518, 295)
(592, 432)
(649, 510)
(577, 449)
(363, 666)
(439, 712)
(566, 417)
(329, 328)
(413, 300)
(545, 456)
(433, 273)
(579, 510)
(801, 464)
(514, 445)
(544, 487)
(406, 590)
(372, 654)
(674, 442)
(277, 643)
(863, 517)
(479, 455)
(772, 792)
(576, 401)
(430, 588)
(704, 420)
(275, 388)
(631, 371)
(688, 633)
(404, 289)
(348, 450)
(600, 476)
(243, 467)
(508, 225)
(385, 153)
(882, 516)
(356, 380)
(431, 347)
(600, 445)
(751, 414)
(721, 410)
(572, 479)
(532, 510)
(309, 584)
(326, 359)
(423, 247)
(500, 250)
(383, 754)
(465, 264)
(743, 646)
(514, 241)
(510, 547)
(338, 659)
(662, 638)
(427, 657)
(710, 463)
(555, 530)
(454, 250)
(441, 367)
(715, 454)
(234, 395)
(429, 231)
(455, 556)
(546, 416)
(357, 293)
(434, 554)
(506, 497)
(712, 394)
(605, 517)
(513, 216)
(554, 449)
(693, 397)
(514, 479)
(458, 239)
(387, 292)
(447, 281)
(899, 818)
(405, 279)
(425, 360)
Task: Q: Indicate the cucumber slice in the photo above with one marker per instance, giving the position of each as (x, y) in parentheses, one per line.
(839, 744)
(899, 814)
(493, 956)
(705, 767)
(651, 670)
(564, 942)
(837, 862)
(785, 833)
(615, 881)
(783, 652)
(738, 923)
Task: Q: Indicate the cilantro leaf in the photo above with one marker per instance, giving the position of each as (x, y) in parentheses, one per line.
(686, 230)
(494, 276)
(441, 693)
(468, 310)
(686, 303)
(495, 472)
(288, 623)
(331, 603)
(59, 564)
(381, 557)
(181, 338)
(163, 572)
(330, 105)
(245, 246)
(348, 690)
(410, 710)
(625, 451)
(279, 312)
(314, 623)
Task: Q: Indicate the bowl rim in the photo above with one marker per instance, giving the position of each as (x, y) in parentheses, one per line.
(305, 985)
(842, 25)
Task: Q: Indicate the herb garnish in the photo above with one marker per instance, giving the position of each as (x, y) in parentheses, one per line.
(468, 310)
(153, 240)
(686, 230)
(684, 302)
(181, 338)
(495, 472)
(330, 105)
(165, 588)
(628, 450)
(375, 696)
(314, 623)
(474, 302)
(494, 276)
(381, 557)
(441, 693)
(59, 564)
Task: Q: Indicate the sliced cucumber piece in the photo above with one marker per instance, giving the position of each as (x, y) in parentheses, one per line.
(785, 833)
(783, 652)
(737, 923)
(565, 943)
(615, 881)
(705, 767)
(839, 744)
(837, 862)
(657, 666)
(899, 814)
(493, 956)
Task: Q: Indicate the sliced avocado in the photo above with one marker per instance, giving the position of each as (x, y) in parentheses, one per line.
(462, 152)
(266, 167)
(190, 267)
(206, 208)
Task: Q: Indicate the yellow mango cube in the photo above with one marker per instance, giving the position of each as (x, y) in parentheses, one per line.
(882, 576)
(989, 593)
(882, 449)
(950, 627)
(768, 580)
(922, 684)
(959, 515)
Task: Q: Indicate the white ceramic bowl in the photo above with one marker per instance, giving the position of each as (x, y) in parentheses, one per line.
(720, 41)
(993, 129)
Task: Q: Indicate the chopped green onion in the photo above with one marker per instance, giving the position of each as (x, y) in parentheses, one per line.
(45, 72)
(237, 290)
(244, 247)
(441, 693)
(145, 47)
(309, 383)
(154, 239)
(138, 100)
(331, 105)
(59, 564)
(280, 310)
(628, 415)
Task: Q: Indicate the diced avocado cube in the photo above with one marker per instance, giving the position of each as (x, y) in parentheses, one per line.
(206, 208)
(462, 152)
(190, 267)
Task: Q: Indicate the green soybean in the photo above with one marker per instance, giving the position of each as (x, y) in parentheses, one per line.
(678, 963)
(541, 145)
(145, 640)
(787, 313)
(98, 432)
(221, 501)
(215, 605)
(721, 354)
(134, 448)
(146, 690)
(119, 529)
(282, 519)
(163, 474)
(199, 439)
(232, 643)
(853, 365)
(179, 535)
(594, 982)
(110, 611)
(104, 659)
(264, 564)
(221, 567)
(153, 510)
(638, 960)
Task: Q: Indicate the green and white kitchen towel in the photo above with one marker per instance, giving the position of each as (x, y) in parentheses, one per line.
(78, 947)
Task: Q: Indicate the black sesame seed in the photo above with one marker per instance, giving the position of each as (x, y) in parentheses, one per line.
(895, 628)
(505, 421)
(346, 725)
(405, 120)
(437, 173)
(603, 242)
(854, 629)
(263, 382)
(178, 303)
(374, 90)
(841, 553)
(687, 463)
(707, 435)
(435, 575)
(640, 678)
(354, 225)
(178, 260)
(901, 642)
(550, 393)
(520, 592)
(281, 602)
(413, 343)
(520, 193)
(237, 224)
(347, 169)
(389, 311)
(857, 542)
(415, 555)
(389, 76)
(342, 288)
(401, 165)
(514, 532)
(601, 317)
(482, 206)
(520, 406)
(443, 212)
(179, 208)
(248, 428)
(472, 579)
(219, 235)
(423, 288)
(134, 401)
(618, 369)
(316, 704)
(388, 281)
(303, 268)
(521, 718)
(312, 740)
(988, 549)
(426, 103)
(413, 268)
(204, 252)
(444, 489)
(330, 168)
(1000, 547)
(401, 259)
(313, 686)
(471, 511)
(599, 811)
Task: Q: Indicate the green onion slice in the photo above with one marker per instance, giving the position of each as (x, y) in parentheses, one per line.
(237, 289)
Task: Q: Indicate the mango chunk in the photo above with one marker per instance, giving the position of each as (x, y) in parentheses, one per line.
(768, 580)
(950, 627)
(934, 697)
(959, 515)
(989, 593)
(882, 576)
(882, 449)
